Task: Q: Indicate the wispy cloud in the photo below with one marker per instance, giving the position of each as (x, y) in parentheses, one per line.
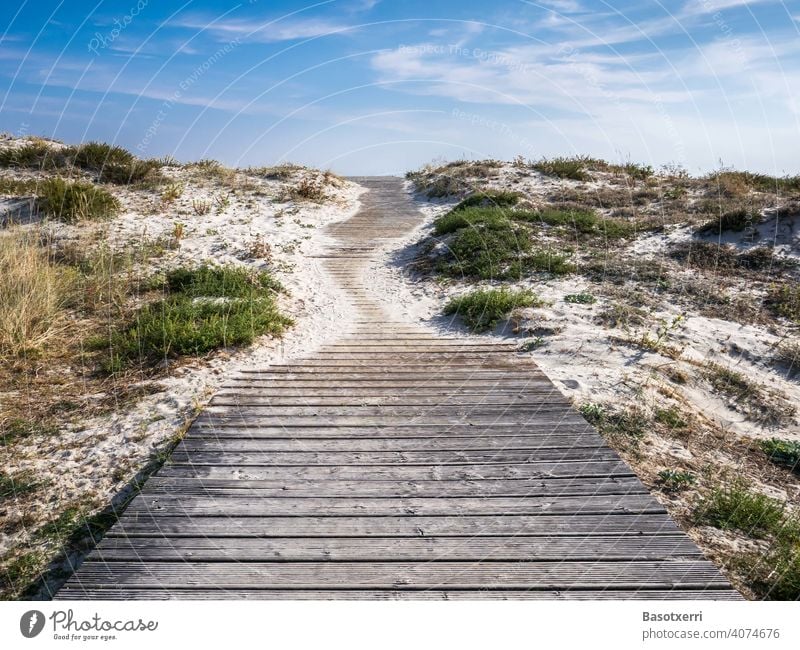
(693, 7)
(563, 6)
(266, 32)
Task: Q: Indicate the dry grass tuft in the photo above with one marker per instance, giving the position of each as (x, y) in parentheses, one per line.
(34, 293)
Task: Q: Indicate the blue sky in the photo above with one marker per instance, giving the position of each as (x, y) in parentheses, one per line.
(371, 86)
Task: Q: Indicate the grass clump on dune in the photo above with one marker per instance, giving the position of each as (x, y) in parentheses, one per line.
(32, 155)
(501, 252)
(204, 309)
(71, 202)
(783, 452)
(774, 574)
(113, 164)
(34, 294)
(733, 221)
(580, 221)
(736, 508)
(784, 300)
(469, 217)
(483, 309)
(570, 168)
(489, 199)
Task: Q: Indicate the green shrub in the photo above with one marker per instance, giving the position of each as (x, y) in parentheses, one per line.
(483, 309)
(220, 282)
(586, 222)
(14, 429)
(490, 199)
(205, 309)
(735, 183)
(498, 253)
(784, 300)
(573, 168)
(485, 253)
(16, 187)
(737, 508)
(670, 417)
(782, 575)
(75, 201)
(788, 356)
(673, 480)
(784, 452)
(580, 298)
(113, 164)
(14, 486)
(469, 217)
(96, 155)
(734, 221)
(34, 155)
(622, 424)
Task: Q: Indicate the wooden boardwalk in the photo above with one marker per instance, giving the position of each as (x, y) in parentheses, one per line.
(394, 463)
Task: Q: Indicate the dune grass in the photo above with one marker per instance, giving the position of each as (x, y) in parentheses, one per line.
(203, 309)
(490, 198)
(783, 452)
(113, 164)
(483, 309)
(73, 201)
(35, 292)
(774, 574)
(731, 221)
(33, 155)
(572, 168)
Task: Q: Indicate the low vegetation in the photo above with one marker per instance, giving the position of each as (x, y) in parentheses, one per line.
(753, 399)
(673, 480)
(203, 309)
(34, 293)
(784, 301)
(109, 163)
(783, 452)
(484, 309)
(774, 573)
(734, 221)
(625, 427)
(73, 201)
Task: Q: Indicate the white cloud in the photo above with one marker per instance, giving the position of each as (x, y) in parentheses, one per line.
(563, 6)
(694, 7)
(272, 31)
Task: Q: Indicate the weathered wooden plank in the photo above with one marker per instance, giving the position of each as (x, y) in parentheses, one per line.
(510, 419)
(145, 524)
(185, 505)
(542, 431)
(338, 549)
(405, 458)
(120, 592)
(358, 488)
(278, 401)
(404, 473)
(518, 412)
(197, 443)
(404, 575)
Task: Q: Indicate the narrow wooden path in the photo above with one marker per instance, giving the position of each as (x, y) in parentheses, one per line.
(394, 463)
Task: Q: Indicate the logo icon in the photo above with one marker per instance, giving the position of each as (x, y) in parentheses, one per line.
(31, 623)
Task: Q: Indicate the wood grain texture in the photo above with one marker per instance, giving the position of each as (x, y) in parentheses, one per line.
(394, 463)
